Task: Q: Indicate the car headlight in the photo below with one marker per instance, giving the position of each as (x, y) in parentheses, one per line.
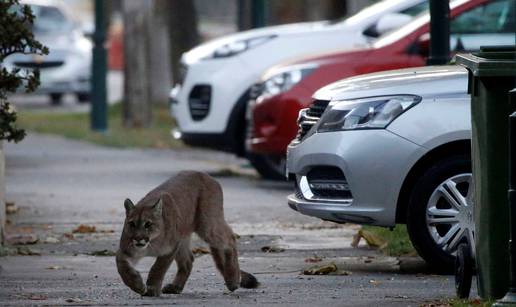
(365, 113)
(240, 46)
(286, 79)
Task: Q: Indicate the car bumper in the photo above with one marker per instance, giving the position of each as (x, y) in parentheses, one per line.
(374, 164)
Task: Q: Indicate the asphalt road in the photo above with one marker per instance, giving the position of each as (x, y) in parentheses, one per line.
(58, 184)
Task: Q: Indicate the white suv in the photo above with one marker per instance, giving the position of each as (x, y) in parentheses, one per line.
(390, 147)
(211, 95)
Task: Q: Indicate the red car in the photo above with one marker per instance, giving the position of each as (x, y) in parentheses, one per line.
(288, 88)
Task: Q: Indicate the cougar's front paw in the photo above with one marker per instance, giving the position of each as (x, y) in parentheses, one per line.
(152, 291)
(232, 286)
(172, 289)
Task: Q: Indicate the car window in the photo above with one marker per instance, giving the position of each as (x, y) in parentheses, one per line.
(416, 9)
(494, 17)
(49, 19)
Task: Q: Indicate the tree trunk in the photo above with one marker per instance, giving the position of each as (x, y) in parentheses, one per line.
(137, 104)
(183, 31)
(159, 55)
(2, 194)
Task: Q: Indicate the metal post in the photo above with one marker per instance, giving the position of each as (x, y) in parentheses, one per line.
(510, 297)
(439, 33)
(98, 115)
(259, 13)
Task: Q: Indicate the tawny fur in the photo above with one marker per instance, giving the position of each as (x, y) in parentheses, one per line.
(163, 222)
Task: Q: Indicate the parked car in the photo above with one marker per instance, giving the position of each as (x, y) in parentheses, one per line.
(387, 148)
(210, 97)
(286, 89)
(67, 67)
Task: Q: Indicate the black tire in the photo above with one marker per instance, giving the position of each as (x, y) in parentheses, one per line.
(56, 99)
(83, 97)
(269, 166)
(463, 271)
(419, 231)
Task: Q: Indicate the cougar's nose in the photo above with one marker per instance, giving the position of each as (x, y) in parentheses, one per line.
(140, 242)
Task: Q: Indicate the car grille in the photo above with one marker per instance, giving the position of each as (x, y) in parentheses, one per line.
(39, 65)
(328, 182)
(199, 102)
(309, 117)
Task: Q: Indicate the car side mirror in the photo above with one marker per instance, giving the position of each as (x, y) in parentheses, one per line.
(421, 46)
(391, 21)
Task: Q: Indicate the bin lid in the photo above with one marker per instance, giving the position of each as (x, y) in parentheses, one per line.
(491, 61)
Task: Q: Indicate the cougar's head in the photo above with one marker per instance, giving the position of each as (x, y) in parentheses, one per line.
(143, 223)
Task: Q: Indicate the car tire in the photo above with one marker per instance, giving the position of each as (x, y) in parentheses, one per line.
(269, 166)
(56, 99)
(440, 212)
(83, 97)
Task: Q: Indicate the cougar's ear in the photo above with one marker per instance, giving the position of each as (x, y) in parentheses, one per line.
(158, 207)
(129, 206)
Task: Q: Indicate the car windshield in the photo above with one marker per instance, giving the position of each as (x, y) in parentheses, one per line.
(382, 6)
(404, 31)
(49, 19)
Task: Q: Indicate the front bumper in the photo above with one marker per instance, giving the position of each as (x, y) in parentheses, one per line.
(374, 163)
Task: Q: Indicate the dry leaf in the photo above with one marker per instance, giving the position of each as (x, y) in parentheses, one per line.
(25, 251)
(103, 252)
(321, 270)
(69, 236)
(84, 229)
(371, 239)
(313, 259)
(54, 267)
(272, 249)
(37, 297)
(22, 239)
(374, 282)
(200, 251)
(51, 240)
(74, 300)
(11, 208)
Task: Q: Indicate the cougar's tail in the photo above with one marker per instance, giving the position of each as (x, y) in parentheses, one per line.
(248, 281)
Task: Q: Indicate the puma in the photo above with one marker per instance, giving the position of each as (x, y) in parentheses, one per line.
(161, 225)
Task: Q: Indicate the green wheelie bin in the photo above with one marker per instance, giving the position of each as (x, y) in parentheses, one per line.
(492, 74)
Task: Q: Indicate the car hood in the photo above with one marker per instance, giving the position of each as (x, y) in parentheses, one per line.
(427, 82)
(205, 50)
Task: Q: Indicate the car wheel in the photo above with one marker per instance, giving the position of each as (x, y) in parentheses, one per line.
(440, 212)
(83, 97)
(269, 166)
(56, 98)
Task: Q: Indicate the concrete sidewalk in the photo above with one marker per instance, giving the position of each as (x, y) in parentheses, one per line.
(59, 184)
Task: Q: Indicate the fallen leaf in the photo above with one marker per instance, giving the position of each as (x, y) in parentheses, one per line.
(54, 267)
(74, 300)
(321, 270)
(103, 252)
(69, 236)
(200, 251)
(84, 229)
(11, 208)
(272, 249)
(313, 259)
(51, 240)
(22, 239)
(106, 231)
(374, 282)
(37, 297)
(25, 251)
(371, 239)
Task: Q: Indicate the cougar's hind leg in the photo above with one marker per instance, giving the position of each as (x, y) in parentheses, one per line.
(224, 253)
(184, 260)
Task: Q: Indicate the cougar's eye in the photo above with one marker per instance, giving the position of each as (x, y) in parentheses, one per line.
(132, 224)
(147, 225)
